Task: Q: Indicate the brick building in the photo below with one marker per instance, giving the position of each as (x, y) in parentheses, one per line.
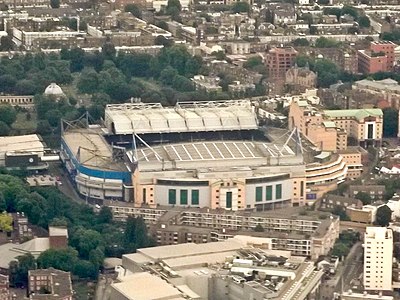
(49, 284)
(279, 61)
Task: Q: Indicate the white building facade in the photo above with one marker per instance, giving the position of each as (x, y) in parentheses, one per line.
(378, 258)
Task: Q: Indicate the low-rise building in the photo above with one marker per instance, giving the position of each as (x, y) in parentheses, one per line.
(4, 287)
(49, 284)
(376, 192)
(301, 79)
(208, 84)
(315, 234)
(330, 202)
(217, 270)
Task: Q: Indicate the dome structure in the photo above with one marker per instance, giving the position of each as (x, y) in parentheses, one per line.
(53, 90)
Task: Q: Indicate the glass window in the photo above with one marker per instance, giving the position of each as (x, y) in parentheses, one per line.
(259, 193)
(268, 194)
(278, 191)
(228, 199)
(195, 197)
(184, 197)
(172, 196)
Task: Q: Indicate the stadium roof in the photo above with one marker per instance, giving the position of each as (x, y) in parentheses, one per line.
(359, 114)
(91, 149)
(143, 118)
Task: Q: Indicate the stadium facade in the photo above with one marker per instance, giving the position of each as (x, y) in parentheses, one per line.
(196, 154)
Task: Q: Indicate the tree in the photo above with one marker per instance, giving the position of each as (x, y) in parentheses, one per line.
(43, 127)
(6, 43)
(53, 116)
(105, 215)
(26, 87)
(167, 75)
(85, 240)
(162, 40)
(390, 122)
(8, 114)
(364, 197)
(241, 7)
(7, 83)
(108, 50)
(4, 129)
(323, 42)
(19, 270)
(62, 259)
(6, 222)
(340, 249)
(253, 62)
(134, 10)
(85, 269)
(301, 42)
(259, 228)
(364, 22)
(55, 3)
(383, 215)
(174, 4)
(88, 81)
(173, 9)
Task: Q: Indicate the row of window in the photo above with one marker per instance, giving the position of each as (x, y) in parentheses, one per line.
(268, 192)
(183, 197)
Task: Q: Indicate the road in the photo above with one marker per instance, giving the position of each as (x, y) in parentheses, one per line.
(346, 272)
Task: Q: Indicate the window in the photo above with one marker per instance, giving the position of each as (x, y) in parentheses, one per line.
(144, 195)
(228, 200)
(195, 197)
(184, 197)
(302, 189)
(278, 191)
(268, 194)
(259, 193)
(172, 196)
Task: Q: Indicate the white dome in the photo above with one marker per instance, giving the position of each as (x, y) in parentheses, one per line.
(53, 89)
(216, 48)
(320, 56)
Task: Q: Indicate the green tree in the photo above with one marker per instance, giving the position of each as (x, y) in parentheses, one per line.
(364, 22)
(108, 50)
(134, 10)
(4, 129)
(5, 222)
(88, 81)
(85, 240)
(85, 269)
(43, 127)
(55, 3)
(8, 114)
(7, 83)
(301, 42)
(53, 116)
(390, 122)
(364, 197)
(167, 75)
(240, 7)
(6, 43)
(323, 42)
(105, 215)
(253, 62)
(62, 259)
(259, 228)
(18, 270)
(340, 249)
(383, 215)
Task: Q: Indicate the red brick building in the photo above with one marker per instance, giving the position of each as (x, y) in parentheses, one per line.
(387, 48)
(279, 60)
(379, 58)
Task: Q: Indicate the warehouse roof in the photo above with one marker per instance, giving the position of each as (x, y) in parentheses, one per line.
(142, 118)
(21, 143)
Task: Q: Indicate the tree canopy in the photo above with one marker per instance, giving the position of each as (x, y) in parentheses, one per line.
(383, 215)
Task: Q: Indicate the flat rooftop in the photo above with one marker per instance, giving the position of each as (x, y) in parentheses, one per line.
(21, 143)
(91, 149)
(144, 286)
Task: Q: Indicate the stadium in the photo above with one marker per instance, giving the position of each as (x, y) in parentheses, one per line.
(197, 154)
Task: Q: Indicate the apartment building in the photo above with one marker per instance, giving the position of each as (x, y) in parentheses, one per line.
(372, 62)
(279, 61)
(364, 125)
(378, 257)
(312, 123)
(371, 91)
(386, 47)
(305, 235)
(49, 284)
(376, 192)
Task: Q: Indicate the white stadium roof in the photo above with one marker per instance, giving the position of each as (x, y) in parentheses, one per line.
(142, 118)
